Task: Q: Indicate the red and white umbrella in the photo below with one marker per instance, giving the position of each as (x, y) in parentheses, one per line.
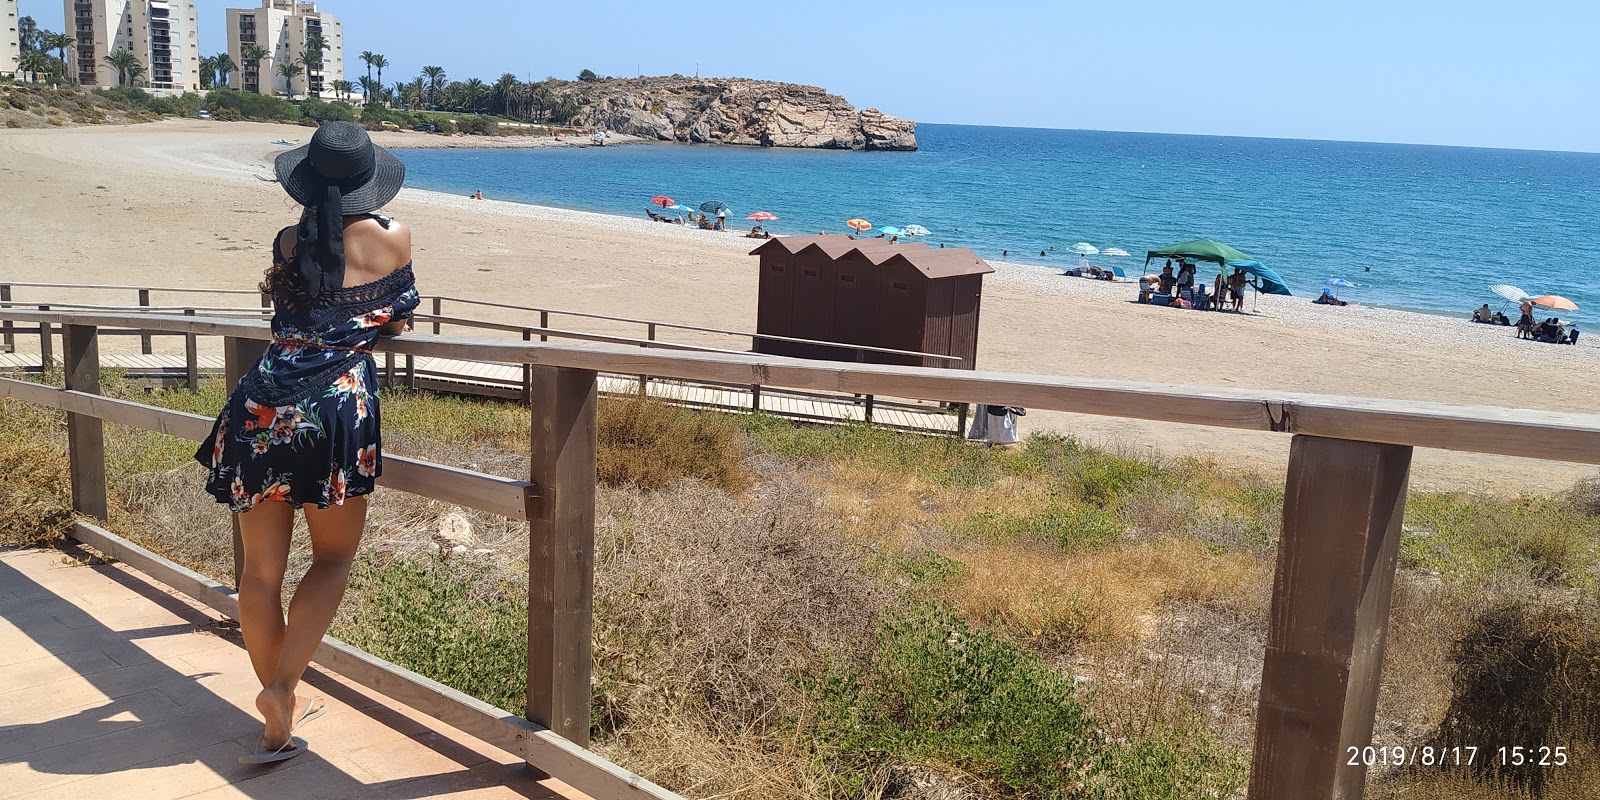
(859, 224)
(762, 216)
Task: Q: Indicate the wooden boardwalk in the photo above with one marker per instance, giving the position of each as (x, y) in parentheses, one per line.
(112, 687)
(506, 381)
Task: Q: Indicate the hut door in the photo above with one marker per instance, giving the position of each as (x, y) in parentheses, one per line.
(775, 303)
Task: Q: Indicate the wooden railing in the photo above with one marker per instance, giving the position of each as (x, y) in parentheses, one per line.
(1344, 502)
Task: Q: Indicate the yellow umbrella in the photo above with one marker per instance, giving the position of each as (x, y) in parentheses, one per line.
(860, 224)
(1554, 301)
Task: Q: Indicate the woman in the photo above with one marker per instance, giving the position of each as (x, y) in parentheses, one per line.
(301, 431)
(1525, 322)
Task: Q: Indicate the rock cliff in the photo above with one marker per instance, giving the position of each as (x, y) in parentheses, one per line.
(735, 111)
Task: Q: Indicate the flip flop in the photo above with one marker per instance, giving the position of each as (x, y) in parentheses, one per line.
(312, 712)
(283, 753)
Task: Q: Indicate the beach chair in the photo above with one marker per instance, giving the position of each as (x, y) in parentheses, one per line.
(1117, 273)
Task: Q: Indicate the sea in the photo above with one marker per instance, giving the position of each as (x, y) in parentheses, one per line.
(1425, 228)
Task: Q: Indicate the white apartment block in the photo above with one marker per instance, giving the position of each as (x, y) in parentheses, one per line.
(10, 44)
(163, 34)
(281, 27)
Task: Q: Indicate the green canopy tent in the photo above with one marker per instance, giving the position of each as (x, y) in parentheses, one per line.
(1199, 250)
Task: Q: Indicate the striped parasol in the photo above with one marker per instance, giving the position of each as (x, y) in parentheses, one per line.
(1509, 292)
(762, 216)
(859, 224)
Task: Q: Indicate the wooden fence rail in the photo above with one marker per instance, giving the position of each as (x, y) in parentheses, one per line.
(1344, 500)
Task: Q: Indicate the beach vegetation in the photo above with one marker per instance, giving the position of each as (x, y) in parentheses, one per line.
(588, 76)
(1051, 620)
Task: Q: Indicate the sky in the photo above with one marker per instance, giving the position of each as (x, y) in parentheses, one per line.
(1461, 72)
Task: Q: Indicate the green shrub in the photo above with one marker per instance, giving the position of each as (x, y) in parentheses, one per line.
(446, 125)
(324, 112)
(455, 621)
(252, 106)
(1076, 528)
(939, 691)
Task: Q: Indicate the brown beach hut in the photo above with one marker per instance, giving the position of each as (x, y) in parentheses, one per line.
(903, 296)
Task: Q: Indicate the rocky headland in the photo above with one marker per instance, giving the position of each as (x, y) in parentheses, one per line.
(734, 111)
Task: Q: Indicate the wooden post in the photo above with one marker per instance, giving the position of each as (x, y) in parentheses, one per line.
(266, 300)
(238, 357)
(47, 356)
(438, 311)
(144, 338)
(961, 421)
(1342, 511)
(86, 447)
(8, 334)
(644, 380)
(561, 551)
(869, 408)
(411, 371)
(544, 322)
(755, 397)
(527, 372)
(191, 357)
(388, 370)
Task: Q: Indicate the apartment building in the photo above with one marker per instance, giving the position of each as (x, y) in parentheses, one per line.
(163, 34)
(282, 28)
(10, 44)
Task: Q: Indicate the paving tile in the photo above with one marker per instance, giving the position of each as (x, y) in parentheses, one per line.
(69, 723)
(212, 766)
(45, 669)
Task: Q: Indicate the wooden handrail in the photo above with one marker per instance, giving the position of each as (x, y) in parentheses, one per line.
(1546, 435)
(108, 287)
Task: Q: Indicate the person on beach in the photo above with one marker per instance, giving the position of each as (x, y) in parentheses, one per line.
(477, 195)
(1186, 275)
(1004, 253)
(1525, 321)
(1483, 314)
(1167, 279)
(301, 430)
(722, 218)
(1236, 283)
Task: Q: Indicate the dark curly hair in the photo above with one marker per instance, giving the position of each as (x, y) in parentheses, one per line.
(282, 280)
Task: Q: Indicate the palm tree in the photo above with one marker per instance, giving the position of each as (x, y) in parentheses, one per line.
(60, 42)
(474, 92)
(225, 67)
(124, 61)
(380, 62)
(370, 88)
(253, 55)
(366, 58)
(505, 90)
(208, 71)
(34, 62)
(135, 72)
(436, 81)
(289, 70)
(341, 89)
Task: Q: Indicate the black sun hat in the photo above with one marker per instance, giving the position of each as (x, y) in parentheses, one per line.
(341, 154)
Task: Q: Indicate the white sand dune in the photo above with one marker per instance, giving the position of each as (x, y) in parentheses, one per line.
(177, 203)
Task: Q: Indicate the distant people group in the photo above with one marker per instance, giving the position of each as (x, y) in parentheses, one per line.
(1179, 289)
(1550, 331)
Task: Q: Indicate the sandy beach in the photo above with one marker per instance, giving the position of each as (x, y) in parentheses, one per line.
(179, 203)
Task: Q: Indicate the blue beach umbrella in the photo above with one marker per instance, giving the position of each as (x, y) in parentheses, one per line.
(712, 206)
(1085, 249)
(1267, 281)
(1340, 282)
(889, 230)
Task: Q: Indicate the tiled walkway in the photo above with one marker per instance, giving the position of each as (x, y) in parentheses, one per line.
(112, 687)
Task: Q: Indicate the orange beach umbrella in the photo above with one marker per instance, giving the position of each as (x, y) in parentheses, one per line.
(859, 224)
(663, 200)
(1554, 301)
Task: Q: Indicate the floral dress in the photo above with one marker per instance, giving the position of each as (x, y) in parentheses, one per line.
(302, 426)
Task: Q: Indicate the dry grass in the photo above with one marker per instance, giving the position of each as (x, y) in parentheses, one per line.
(35, 491)
(1105, 597)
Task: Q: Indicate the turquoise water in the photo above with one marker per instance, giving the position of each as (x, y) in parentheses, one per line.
(1417, 227)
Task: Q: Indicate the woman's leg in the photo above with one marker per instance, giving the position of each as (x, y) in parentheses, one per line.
(335, 533)
(266, 530)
